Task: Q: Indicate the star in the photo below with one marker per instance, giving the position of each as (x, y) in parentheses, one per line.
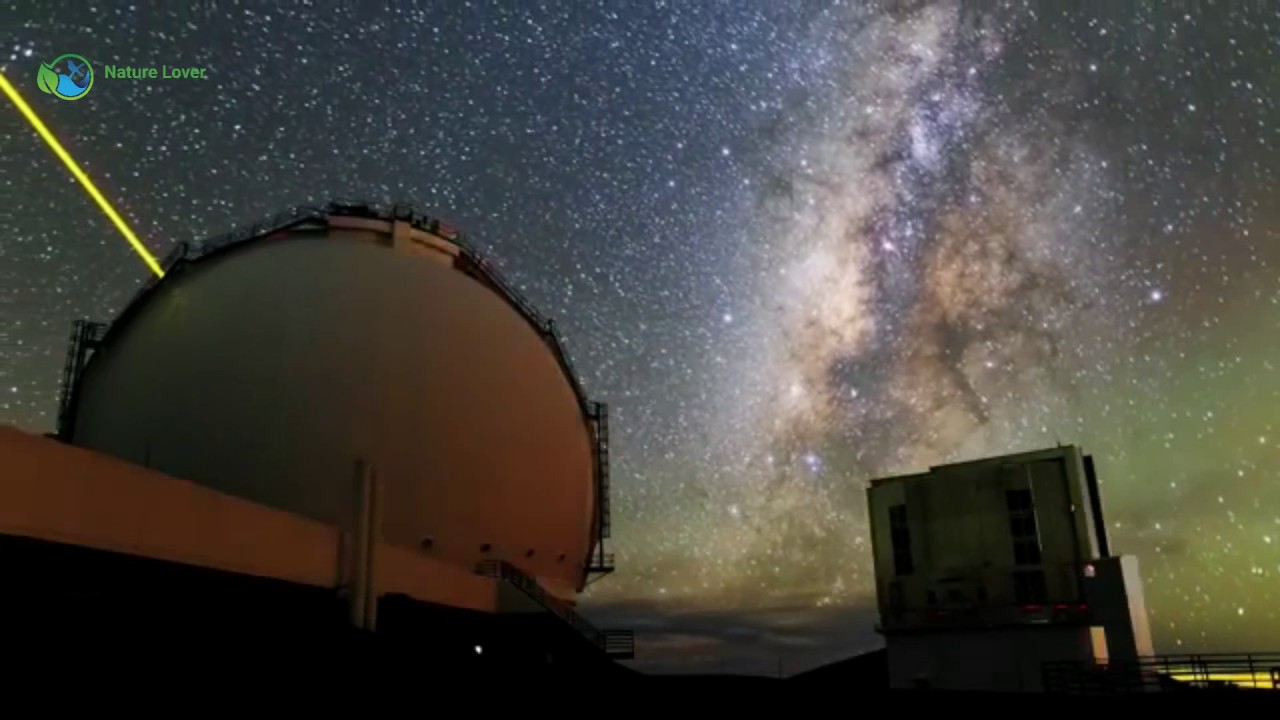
(794, 248)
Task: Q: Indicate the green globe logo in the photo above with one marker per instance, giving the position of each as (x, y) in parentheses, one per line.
(69, 77)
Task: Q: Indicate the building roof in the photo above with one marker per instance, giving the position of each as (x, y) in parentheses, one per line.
(1011, 459)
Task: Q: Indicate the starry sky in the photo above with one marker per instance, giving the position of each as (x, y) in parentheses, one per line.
(794, 245)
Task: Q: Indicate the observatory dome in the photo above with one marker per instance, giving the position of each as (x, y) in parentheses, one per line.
(267, 363)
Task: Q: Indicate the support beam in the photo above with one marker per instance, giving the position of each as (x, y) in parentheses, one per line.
(364, 545)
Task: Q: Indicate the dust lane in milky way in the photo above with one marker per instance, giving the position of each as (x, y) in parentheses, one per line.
(948, 261)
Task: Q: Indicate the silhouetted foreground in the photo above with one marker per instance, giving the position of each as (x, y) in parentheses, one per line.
(347, 660)
(72, 614)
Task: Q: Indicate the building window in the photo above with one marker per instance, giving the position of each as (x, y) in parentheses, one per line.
(900, 537)
(1022, 526)
(1028, 587)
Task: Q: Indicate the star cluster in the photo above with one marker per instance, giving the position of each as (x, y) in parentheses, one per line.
(794, 245)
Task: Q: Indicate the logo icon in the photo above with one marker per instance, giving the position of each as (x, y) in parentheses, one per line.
(70, 77)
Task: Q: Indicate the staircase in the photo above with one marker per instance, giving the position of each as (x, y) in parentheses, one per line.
(601, 413)
(601, 563)
(620, 644)
(616, 644)
(85, 336)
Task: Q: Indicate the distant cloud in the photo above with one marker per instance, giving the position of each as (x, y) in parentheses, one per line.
(671, 638)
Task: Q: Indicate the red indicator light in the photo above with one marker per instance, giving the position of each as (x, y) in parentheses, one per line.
(1031, 608)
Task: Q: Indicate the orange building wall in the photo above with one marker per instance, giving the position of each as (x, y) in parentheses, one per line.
(60, 493)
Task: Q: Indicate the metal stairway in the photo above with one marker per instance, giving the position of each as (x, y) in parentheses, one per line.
(85, 336)
(616, 644)
(601, 563)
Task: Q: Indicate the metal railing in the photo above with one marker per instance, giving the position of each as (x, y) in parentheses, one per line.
(476, 265)
(481, 265)
(1165, 673)
(600, 420)
(275, 223)
(602, 563)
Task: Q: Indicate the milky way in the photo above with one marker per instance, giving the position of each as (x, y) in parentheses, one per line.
(939, 272)
(794, 245)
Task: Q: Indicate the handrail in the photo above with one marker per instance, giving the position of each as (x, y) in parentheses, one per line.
(1259, 671)
(266, 226)
(176, 254)
(545, 326)
(602, 562)
(503, 286)
(502, 570)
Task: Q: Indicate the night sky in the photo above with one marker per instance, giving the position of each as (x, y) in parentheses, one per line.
(795, 245)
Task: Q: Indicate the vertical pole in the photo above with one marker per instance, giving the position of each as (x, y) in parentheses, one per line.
(360, 554)
(373, 535)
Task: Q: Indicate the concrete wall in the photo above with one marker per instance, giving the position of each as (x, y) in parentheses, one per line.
(1007, 660)
(51, 491)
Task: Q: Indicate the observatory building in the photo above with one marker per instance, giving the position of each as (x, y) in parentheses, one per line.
(987, 572)
(343, 412)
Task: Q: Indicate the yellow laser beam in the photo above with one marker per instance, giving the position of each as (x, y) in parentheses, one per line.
(79, 174)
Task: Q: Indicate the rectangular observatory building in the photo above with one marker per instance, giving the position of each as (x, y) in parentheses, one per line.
(987, 570)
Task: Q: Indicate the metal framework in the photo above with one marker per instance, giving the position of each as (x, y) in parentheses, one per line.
(1164, 673)
(601, 563)
(85, 337)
